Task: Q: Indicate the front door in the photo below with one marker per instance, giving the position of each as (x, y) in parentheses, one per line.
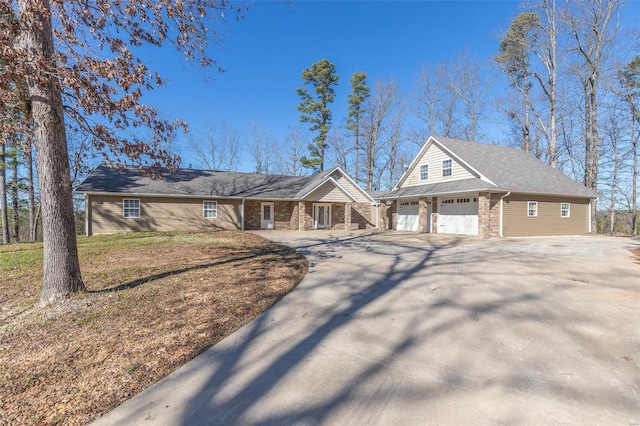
(267, 216)
(322, 216)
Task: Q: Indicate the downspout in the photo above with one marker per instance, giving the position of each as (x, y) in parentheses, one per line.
(591, 200)
(242, 216)
(86, 214)
(501, 211)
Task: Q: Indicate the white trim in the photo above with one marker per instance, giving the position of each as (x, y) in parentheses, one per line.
(314, 208)
(204, 209)
(362, 191)
(124, 208)
(568, 209)
(529, 210)
(336, 184)
(423, 150)
(272, 219)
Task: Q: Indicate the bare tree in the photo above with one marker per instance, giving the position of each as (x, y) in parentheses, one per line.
(377, 110)
(435, 104)
(261, 148)
(340, 149)
(472, 89)
(290, 152)
(589, 25)
(217, 147)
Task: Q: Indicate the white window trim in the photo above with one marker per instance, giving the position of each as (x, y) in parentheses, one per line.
(215, 209)
(448, 168)
(568, 209)
(425, 172)
(529, 209)
(125, 208)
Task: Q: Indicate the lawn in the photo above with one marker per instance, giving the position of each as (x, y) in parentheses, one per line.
(154, 301)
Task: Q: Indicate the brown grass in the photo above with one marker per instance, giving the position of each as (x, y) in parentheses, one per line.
(154, 301)
(636, 255)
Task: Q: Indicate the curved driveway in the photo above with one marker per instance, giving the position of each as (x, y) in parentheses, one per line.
(399, 328)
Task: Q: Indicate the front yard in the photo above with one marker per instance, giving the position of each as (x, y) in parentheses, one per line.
(154, 301)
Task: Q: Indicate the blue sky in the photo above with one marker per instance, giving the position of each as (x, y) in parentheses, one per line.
(265, 53)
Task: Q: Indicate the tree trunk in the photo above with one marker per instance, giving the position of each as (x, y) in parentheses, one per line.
(634, 183)
(33, 223)
(61, 268)
(614, 187)
(3, 197)
(15, 200)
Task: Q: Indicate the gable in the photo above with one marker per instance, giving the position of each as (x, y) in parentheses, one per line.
(329, 192)
(433, 156)
(350, 186)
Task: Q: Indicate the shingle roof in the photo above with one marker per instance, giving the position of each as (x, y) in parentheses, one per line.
(510, 169)
(197, 183)
(450, 187)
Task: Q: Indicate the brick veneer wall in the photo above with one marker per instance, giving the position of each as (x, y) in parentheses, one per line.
(422, 215)
(361, 216)
(394, 215)
(488, 215)
(434, 215)
(337, 216)
(285, 215)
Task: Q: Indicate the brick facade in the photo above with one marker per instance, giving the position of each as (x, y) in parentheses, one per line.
(488, 215)
(422, 215)
(361, 216)
(285, 215)
(434, 215)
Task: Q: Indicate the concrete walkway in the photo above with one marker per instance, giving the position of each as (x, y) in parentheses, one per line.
(398, 328)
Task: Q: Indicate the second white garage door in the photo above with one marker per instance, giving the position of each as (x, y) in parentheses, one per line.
(408, 216)
(458, 216)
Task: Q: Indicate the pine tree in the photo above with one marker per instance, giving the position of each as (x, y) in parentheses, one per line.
(359, 94)
(315, 109)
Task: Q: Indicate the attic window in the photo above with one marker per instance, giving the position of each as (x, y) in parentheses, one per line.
(446, 167)
(424, 172)
(130, 208)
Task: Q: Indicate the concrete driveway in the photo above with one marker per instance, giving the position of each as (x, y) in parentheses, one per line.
(400, 328)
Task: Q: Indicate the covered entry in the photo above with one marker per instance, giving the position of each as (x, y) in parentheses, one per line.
(458, 215)
(408, 215)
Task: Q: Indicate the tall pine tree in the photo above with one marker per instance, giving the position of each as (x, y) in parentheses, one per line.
(315, 109)
(359, 94)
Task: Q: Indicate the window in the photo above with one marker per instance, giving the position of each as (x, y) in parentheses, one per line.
(424, 172)
(130, 208)
(448, 201)
(210, 209)
(532, 208)
(446, 168)
(463, 200)
(565, 210)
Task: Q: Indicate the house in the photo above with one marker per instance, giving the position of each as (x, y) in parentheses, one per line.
(462, 187)
(122, 199)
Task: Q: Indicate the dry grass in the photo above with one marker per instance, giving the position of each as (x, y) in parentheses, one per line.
(154, 301)
(636, 255)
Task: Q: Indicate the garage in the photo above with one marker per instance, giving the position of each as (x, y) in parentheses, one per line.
(408, 215)
(458, 215)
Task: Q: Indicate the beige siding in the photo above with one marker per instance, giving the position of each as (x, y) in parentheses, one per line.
(434, 157)
(516, 223)
(160, 214)
(328, 193)
(353, 190)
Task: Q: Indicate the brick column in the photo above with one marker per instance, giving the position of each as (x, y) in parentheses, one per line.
(301, 216)
(434, 215)
(394, 215)
(347, 216)
(483, 215)
(422, 215)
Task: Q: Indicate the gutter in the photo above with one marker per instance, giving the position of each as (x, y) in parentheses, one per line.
(501, 211)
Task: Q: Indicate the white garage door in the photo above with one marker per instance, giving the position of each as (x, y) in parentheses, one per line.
(408, 216)
(458, 216)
